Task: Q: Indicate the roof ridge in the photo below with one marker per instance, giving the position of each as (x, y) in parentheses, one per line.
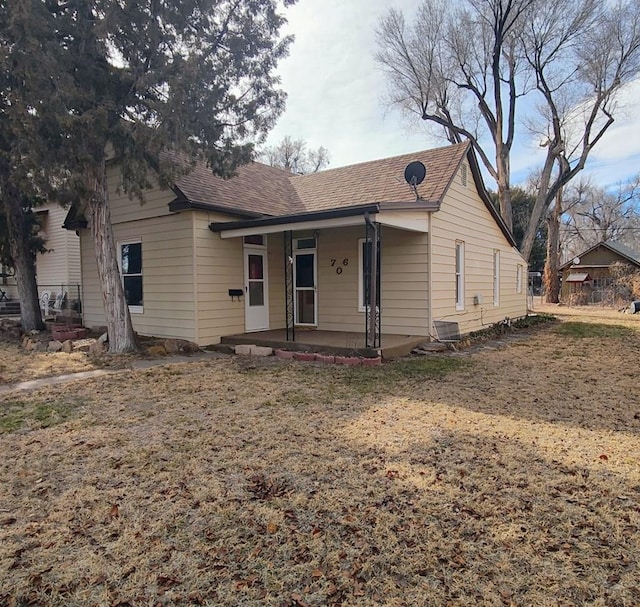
(442, 148)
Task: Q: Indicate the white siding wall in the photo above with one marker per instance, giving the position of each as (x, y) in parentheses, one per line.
(61, 264)
(463, 216)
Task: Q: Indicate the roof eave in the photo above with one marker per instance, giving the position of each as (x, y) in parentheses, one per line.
(482, 191)
(223, 226)
(183, 203)
(602, 243)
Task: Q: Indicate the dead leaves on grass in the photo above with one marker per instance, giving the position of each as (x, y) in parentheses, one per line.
(265, 488)
(443, 497)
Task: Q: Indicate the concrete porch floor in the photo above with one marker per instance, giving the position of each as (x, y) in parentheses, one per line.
(330, 342)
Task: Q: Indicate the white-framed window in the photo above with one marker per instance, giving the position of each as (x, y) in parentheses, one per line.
(130, 254)
(305, 243)
(519, 278)
(459, 275)
(255, 240)
(496, 278)
(364, 262)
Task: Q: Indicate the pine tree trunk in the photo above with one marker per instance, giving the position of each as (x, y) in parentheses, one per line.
(24, 264)
(551, 278)
(119, 327)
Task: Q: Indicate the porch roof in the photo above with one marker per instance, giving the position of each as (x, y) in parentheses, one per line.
(412, 216)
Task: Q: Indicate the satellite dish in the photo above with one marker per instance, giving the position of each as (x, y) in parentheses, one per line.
(415, 173)
(576, 261)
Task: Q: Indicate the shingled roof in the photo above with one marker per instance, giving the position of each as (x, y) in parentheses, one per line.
(258, 189)
(617, 247)
(379, 180)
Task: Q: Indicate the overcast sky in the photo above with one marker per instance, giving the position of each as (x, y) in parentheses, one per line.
(335, 96)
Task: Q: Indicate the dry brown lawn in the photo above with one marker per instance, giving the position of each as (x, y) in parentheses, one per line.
(17, 364)
(505, 476)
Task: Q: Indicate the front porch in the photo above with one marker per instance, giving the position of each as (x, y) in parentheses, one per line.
(314, 276)
(330, 342)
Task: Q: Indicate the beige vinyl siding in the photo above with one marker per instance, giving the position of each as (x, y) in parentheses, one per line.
(338, 293)
(167, 276)
(218, 268)
(125, 209)
(404, 282)
(404, 297)
(464, 217)
(60, 266)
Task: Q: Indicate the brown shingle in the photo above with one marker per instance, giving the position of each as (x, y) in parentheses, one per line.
(379, 180)
(259, 188)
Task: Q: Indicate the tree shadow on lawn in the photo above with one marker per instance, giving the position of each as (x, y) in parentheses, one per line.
(584, 382)
(315, 487)
(334, 516)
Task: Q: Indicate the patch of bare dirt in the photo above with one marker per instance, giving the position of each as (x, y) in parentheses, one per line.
(511, 478)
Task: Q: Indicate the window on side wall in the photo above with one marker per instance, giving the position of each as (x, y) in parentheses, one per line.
(518, 278)
(131, 273)
(496, 278)
(459, 275)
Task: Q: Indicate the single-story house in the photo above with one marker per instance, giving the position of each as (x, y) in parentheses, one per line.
(270, 251)
(588, 274)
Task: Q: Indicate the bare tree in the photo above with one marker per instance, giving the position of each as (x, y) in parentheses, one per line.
(581, 54)
(292, 155)
(465, 67)
(598, 215)
(459, 67)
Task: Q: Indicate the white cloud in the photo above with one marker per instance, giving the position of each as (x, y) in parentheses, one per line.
(335, 89)
(334, 86)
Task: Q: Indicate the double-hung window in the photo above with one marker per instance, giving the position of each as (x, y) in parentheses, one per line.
(459, 275)
(131, 272)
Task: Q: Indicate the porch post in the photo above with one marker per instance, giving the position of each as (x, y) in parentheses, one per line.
(289, 294)
(378, 292)
(372, 284)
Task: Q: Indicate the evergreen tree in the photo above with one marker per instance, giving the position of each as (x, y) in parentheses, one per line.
(151, 81)
(26, 51)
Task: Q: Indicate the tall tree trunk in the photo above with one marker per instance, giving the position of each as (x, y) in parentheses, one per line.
(119, 327)
(24, 265)
(552, 263)
(504, 187)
